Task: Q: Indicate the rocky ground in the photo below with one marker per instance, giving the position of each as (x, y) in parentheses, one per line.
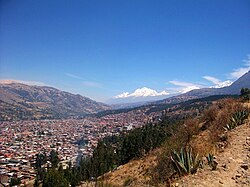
(233, 164)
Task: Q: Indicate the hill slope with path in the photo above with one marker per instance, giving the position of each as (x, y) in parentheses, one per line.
(233, 164)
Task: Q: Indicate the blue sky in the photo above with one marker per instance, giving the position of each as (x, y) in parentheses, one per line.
(102, 49)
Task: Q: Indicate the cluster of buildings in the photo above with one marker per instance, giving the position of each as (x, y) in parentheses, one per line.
(20, 141)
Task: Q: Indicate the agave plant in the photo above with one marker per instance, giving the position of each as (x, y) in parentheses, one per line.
(237, 119)
(230, 126)
(211, 162)
(185, 161)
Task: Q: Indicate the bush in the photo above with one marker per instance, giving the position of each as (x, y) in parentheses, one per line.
(245, 94)
(15, 181)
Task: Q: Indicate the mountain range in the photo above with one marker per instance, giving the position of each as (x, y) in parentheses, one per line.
(233, 89)
(21, 101)
(227, 88)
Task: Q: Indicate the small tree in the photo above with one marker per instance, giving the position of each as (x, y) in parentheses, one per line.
(53, 158)
(15, 181)
(54, 178)
(245, 93)
(36, 183)
(40, 160)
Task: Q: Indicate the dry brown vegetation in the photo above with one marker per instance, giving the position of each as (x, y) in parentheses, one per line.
(204, 134)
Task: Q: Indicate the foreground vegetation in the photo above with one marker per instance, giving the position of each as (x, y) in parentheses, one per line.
(201, 137)
(183, 141)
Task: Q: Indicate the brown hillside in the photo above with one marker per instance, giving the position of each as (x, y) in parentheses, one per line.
(232, 155)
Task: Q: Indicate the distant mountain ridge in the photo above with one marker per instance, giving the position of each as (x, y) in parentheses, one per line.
(233, 89)
(21, 101)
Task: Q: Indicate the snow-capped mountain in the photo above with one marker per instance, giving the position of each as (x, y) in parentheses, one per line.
(139, 95)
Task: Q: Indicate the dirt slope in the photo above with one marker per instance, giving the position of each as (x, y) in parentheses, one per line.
(234, 164)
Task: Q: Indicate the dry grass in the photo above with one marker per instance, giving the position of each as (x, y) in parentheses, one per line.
(205, 134)
(212, 133)
(135, 173)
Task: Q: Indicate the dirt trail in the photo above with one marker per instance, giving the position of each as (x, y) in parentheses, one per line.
(234, 164)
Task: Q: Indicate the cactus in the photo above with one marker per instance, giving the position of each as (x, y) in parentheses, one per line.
(185, 162)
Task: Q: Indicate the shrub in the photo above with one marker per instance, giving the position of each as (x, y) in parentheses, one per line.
(245, 94)
(15, 181)
(226, 109)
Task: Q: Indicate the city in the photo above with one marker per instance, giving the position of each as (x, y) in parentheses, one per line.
(21, 141)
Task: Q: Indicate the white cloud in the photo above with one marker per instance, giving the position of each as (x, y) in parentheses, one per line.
(73, 76)
(212, 79)
(185, 87)
(32, 83)
(92, 84)
(181, 83)
(85, 81)
(217, 83)
(141, 92)
(237, 73)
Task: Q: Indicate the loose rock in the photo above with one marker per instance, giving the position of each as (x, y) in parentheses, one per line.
(244, 166)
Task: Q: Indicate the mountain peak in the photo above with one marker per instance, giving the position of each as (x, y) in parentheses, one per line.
(142, 92)
(146, 92)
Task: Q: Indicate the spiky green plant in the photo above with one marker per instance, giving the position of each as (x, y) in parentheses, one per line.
(211, 162)
(230, 126)
(237, 119)
(210, 158)
(185, 161)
